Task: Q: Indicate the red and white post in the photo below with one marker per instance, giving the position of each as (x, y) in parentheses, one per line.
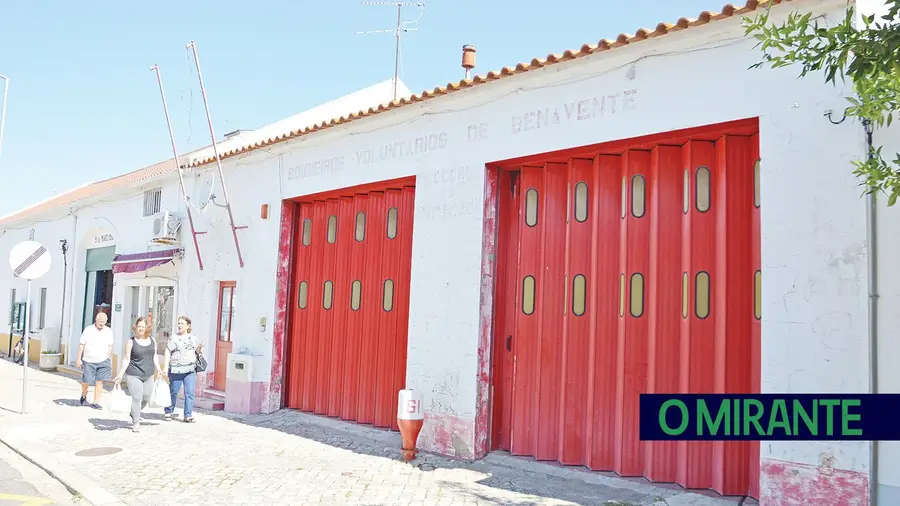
(410, 418)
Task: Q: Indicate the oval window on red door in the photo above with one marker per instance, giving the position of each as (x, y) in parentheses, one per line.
(355, 295)
(703, 190)
(302, 294)
(387, 302)
(756, 183)
(332, 229)
(578, 294)
(531, 207)
(307, 231)
(637, 295)
(327, 295)
(392, 223)
(638, 194)
(360, 226)
(757, 295)
(581, 202)
(702, 294)
(528, 295)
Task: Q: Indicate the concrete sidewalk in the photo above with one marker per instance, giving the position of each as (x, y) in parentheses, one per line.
(282, 458)
(22, 483)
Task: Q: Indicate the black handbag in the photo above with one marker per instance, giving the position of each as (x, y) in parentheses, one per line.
(200, 365)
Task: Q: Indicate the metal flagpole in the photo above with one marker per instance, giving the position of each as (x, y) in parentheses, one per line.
(3, 112)
(184, 194)
(212, 134)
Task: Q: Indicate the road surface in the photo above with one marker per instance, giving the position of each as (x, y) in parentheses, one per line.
(24, 484)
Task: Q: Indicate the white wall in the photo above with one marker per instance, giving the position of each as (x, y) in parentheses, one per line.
(813, 253)
(248, 188)
(119, 214)
(49, 233)
(122, 216)
(888, 244)
(813, 226)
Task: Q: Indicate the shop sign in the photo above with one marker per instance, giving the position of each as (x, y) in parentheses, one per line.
(99, 237)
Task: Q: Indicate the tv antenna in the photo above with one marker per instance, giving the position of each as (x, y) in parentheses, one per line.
(400, 28)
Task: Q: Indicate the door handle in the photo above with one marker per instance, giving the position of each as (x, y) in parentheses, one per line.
(508, 343)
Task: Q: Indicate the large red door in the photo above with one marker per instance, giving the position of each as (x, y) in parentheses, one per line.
(350, 306)
(627, 270)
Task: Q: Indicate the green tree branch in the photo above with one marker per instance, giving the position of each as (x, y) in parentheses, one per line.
(869, 56)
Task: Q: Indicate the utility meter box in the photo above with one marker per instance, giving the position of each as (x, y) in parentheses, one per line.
(240, 368)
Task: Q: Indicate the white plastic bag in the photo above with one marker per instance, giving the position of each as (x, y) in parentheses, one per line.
(161, 397)
(118, 402)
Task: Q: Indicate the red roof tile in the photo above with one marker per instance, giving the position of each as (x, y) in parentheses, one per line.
(73, 197)
(623, 39)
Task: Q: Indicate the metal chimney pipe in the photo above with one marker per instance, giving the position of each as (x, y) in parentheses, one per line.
(468, 58)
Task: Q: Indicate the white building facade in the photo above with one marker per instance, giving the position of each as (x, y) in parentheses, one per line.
(468, 244)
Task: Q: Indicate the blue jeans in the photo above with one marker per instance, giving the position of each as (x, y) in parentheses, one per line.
(176, 380)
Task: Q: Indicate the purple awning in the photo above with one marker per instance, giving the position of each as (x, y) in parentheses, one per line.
(137, 262)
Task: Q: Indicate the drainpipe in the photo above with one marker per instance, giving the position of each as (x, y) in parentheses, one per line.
(72, 284)
(872, 274)
(64, 247)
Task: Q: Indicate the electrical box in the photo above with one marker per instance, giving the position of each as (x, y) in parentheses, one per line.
(240, 368)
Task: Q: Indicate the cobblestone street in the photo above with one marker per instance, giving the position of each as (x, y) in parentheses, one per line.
(285, 458)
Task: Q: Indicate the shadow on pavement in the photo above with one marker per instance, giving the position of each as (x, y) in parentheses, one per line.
(106, 424)
(67, 402)
(573, 485)
(522, 476)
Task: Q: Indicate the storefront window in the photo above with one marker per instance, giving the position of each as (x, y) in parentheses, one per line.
(157, 305)
(163, 305)
(98, 284)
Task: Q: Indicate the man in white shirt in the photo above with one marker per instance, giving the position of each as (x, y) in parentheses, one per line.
(95, 358)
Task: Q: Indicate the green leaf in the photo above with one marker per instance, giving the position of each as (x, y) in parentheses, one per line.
(869, 57)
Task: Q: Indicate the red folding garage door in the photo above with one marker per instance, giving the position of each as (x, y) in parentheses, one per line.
(347, 348)
(628, 270)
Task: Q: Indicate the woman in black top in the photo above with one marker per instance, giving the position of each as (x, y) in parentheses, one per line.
(142, 364)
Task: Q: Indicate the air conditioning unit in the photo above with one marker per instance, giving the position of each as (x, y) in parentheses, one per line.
(165, 228)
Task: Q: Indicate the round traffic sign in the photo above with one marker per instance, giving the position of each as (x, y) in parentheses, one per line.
(29, 260)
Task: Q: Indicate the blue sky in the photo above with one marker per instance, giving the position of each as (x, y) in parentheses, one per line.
(84, 106)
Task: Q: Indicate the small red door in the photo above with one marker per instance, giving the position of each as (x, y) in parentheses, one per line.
(223, 332)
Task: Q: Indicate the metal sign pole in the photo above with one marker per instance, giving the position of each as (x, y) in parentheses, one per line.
(25, 337)
(28, 260)
(12, 321)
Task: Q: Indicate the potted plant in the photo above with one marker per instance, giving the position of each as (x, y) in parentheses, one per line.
(49, 360)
